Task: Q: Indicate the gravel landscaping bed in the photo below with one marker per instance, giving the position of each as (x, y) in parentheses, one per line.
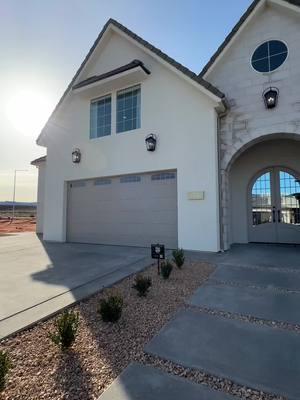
(101, 350)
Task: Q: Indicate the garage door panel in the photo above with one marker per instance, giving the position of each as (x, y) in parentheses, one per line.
(161, 205)
(105, 195)
(133, 210)
(154, 217)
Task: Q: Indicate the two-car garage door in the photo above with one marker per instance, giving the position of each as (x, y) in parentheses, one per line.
(130, 210)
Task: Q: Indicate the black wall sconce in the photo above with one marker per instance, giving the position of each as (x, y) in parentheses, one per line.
(151, 141)
(270, 97)
(76, 156)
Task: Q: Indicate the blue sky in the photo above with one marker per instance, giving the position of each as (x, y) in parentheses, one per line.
(44, 42)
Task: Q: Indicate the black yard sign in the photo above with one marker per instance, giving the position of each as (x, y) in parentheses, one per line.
(158, 253)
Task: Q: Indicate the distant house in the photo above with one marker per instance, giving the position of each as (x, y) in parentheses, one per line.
(226, 163)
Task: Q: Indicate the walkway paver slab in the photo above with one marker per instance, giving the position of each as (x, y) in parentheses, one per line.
(257, 277)
(262, 255)
(256, 356)
(261, 303)
(140, 382)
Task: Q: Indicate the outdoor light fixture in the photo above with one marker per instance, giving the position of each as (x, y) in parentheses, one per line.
(270, 96)
(76, 156)
(151, 142)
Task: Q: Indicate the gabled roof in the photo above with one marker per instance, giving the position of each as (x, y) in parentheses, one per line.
(235, 30)
(198, 79)
(116, 71)
(38, 160)
(169, 60)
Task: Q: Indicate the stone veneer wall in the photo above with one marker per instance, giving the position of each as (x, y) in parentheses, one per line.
(248, 121)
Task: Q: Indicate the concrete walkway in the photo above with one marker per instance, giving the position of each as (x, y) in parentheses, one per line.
(260, 303)
(259, 277)
(258, 255)
(39, 278)
(258, 281)
(261, 281)
(140, 382)
(253, 355)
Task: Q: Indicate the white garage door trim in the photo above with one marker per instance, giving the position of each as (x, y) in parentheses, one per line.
(131, 210)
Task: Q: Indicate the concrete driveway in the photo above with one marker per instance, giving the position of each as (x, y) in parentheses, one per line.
(39, 278)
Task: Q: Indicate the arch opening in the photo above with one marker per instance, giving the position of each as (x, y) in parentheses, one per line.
(260, 200)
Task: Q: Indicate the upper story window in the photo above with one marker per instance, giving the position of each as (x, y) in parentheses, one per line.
(100, 122)
(269, 56)
(129, 109)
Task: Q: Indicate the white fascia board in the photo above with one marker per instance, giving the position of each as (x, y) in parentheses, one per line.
(285, 4)
(112, 79)
(198, 86)
(259, 7)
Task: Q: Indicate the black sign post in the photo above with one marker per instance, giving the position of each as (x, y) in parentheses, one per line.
(158, 253)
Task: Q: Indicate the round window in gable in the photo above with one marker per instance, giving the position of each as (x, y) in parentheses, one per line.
(269, 56)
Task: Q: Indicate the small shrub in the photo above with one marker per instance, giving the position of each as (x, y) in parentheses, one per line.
(111, 308)
(5, 366)
(166, 269)
(67, 327)
(178, 257)
(142, 284)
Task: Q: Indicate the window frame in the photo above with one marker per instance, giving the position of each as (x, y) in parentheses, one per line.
(267, 41)
(96, 100)
(139, 107)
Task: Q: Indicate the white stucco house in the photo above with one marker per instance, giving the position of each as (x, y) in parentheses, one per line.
(226, 163)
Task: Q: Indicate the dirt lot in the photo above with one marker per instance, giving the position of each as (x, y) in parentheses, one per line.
(18, 225)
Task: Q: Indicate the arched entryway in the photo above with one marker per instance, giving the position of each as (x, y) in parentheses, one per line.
(273, 206)
(262, 185)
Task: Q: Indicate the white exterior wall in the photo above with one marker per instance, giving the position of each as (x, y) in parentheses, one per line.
(40, 197)
(248, 120)
(184, 120)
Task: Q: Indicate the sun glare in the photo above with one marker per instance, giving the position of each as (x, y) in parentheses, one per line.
(28, 110)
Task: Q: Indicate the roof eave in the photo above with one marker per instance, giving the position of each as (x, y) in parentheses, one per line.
(135, 64)
(207, 88)
(241, 24)
(39, 161)
(254, 7)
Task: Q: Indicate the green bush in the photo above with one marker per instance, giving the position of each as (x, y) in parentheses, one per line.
(111, 308)
(142, 284)
(5, 366)
(66, 329)
(178, 257)
(166, 269)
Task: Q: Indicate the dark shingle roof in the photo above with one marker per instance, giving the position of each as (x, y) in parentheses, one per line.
(149, 46)
(116, 71)
(38, 160)
(169, 60)
(235, 30)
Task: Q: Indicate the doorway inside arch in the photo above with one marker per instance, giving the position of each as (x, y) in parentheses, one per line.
(274, 207)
